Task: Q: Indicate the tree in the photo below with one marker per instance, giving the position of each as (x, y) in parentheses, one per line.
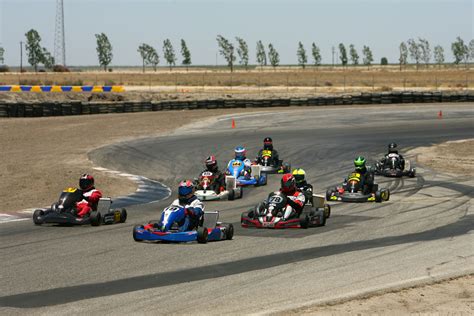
(343, 54)
(384, 61)
(460, 50)
(316, 52)
(153, 57)
(471, 50)
(243, 52)
(273, 56)
(439, 55)
(301, 53)
(168, 53)
(415, 51)
(424, 46)
(261, 55)
(354, 55)
(2, 51)
(227, 51)
(104, 50)
(33, 48)
(186, 54)
(368, 58)
(403, 54)
(144, 50)
(47, 59)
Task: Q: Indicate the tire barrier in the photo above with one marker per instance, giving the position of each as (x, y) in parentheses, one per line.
(63, 108)
(21, 88)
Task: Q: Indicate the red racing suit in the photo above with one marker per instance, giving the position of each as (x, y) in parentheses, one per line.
(89, 202)
(296, 202)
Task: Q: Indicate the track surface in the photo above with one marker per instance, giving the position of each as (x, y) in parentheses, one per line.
(423, 232)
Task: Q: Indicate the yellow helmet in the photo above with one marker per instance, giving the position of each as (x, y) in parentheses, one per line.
(299, 174)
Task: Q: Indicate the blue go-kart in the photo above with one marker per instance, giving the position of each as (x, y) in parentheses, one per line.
(235, 168)
(175, 226)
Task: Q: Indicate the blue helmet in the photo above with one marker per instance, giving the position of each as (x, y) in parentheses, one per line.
(185, 188)
(240, 153)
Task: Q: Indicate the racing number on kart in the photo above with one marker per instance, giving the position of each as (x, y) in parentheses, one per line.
(275, 199)
(206, 174)
(236, 164)
(266, 153)
(172, 209)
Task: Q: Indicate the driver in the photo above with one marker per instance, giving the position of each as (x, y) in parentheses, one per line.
(295, 197)
(302, 184)
(241, 155)
(366, 175)
(268, 145)
(90, 195)
(219, 183)
(393, 152)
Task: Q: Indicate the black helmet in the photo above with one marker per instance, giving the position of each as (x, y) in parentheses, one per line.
(211, 163)
(86, 182)
(392, 148)
(268, 143)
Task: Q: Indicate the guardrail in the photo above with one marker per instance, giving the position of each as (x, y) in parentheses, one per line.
(23, 88)
(36, 109)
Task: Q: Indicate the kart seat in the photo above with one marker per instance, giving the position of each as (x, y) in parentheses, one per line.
(103, 206)
(210, 219)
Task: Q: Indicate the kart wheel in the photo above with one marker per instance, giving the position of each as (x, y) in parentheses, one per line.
(96, 218)
(327, 210)
(37, 217)
(328, 194)
(304, 222)
(265, 180)
(378, 197)
(324, 217)
(385, 194)
(231, 195)
(123, 215)
(202, 235)
(258, 181)
(241, 191)
(412, 173)
(135, 234)
(229, 231)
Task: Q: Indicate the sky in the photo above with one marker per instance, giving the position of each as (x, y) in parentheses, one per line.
(380, 24)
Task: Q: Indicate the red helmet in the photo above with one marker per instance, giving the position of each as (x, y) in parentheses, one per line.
(268, 143)
(211, 163)
(86, 182)
(288, 183)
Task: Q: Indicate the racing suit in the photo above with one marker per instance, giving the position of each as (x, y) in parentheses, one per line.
(247, 167)
(307, 190)
(388, 156)
(275, 158)
(295, 204)
(219, 181)
(89, 202)
(366, 180)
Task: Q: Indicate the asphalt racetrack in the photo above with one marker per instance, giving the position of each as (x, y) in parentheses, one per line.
(423, 233)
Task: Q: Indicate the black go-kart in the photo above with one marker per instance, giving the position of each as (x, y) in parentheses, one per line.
(270, 165)
(64, 211)
(352, 191)
(392, 167)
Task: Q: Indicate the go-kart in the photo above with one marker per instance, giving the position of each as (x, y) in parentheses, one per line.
(64, 211)
(205, 190)
(270, 214)
(175, 226)
(236, 167)
(351, 191)
(269, 165)
(392, 167)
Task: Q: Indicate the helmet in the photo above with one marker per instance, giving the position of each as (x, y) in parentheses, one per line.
(185, 191)
(211, 163)
(299, 175)
(86, 182)
(268, 143)
(288, 183)
(359, 163)
(392, 148)
(240, 153)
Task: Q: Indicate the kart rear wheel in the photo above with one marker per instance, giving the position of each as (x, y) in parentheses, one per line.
(327, 210)
(96, 218)
(202, 235)
(229, 231)
(231, 195)
(412, 173)
(324, 217)
(385, 194)
(123, 215)
(304, 222)
(135, 234)
(257, 183)
(378, 197)
(36, 217)
(328, 194)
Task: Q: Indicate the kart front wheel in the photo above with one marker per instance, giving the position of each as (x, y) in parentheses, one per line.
(135, 233)
(231, 195)
(328, 194)
(123, 215)
(37, 217)
(229, 231)
(385, 194)
(202, 235)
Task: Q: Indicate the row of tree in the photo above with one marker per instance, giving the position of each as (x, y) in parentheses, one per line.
(419, 51)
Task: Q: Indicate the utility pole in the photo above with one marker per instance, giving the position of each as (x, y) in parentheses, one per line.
(333, 51)
(21, 57)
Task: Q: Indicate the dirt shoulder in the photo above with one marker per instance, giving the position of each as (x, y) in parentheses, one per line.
(42, 156)
(454, 296)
